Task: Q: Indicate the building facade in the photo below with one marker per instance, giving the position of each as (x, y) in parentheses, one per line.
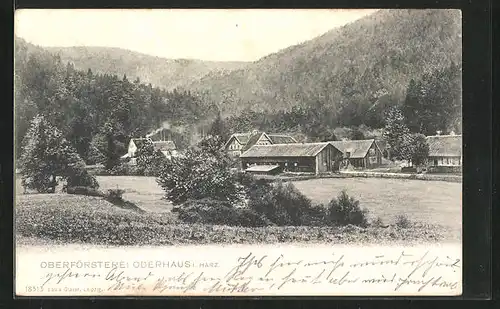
(167, 148)
(359, 153)
(445, 153)
(313, 158)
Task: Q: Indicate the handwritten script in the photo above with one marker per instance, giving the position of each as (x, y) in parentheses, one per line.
(262, 273)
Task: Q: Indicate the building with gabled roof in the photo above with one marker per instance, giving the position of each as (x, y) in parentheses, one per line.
(294, 157)
(241, 142)
(444, 150)
(167, 148)
(360, 153)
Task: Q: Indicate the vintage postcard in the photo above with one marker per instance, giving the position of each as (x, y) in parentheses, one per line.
(238, 152)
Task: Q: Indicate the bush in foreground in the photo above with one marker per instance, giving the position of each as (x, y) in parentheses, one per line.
(210, 211)
(345, 210)
(202, 172)
(403, 222)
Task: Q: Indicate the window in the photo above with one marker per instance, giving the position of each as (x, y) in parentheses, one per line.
(372, 152)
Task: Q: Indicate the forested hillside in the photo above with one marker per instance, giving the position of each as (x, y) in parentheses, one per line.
(98, 113)
(341, 83)
(354, 72)
(160, 72)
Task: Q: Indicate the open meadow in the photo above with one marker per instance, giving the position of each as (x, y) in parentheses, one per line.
(432, 202)
(435, 207)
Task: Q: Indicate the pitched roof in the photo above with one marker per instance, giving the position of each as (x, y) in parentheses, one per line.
(357, 149)
(281, 139)
(242, 138)
(285, 150)
(382, 145)
(252, 140)
(164, 145)
(140, 141)
(445, 145)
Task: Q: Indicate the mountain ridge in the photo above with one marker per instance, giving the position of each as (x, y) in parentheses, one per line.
(376, 54)
(160, 72)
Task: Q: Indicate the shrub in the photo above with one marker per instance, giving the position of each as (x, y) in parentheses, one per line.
(115, 195)
(345, 210)
(149, 160)
(209, 211)
(81, 178)
(282, 204)
(403, 222)
(378, 222)
(199, 174)
(122, 169)
(81, 190)
(315, 216)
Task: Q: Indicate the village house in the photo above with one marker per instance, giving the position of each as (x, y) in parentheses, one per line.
(359, 153)
(167, 148)
(313, 158)
(445, 153)
(241, 142)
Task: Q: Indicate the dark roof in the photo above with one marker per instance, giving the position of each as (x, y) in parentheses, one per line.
(242, 138)
(357, 149)
(140, 141)
(284, 150)
(382, 145)
(445, 145)
(164, 145)
(281, 139)
(252, 140)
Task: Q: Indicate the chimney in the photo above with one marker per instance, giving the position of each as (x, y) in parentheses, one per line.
(452, 133)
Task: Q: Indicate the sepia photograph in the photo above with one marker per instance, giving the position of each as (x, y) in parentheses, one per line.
(240, 152)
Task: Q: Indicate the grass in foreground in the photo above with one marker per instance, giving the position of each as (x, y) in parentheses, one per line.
(59, 218)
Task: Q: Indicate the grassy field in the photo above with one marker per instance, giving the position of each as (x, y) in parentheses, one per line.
(433, 202)
(436, 206)
(64, 218)
(143, 191)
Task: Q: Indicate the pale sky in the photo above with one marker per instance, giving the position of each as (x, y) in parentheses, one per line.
(226, 35)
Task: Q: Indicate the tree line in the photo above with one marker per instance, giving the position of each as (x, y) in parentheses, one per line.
(98, 113)
(432, 103)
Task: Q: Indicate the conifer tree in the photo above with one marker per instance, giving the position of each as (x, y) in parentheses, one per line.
(395, 130)
(47, 154)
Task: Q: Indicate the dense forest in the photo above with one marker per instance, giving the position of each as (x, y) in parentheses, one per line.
(432, 103)
(98, 113)
(160, 72)
(355, 70)
(339, 85)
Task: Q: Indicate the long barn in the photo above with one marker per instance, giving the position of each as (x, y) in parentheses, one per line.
(308, 157)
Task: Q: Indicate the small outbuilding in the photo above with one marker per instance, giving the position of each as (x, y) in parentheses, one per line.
(306, 158)
(360, 153)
